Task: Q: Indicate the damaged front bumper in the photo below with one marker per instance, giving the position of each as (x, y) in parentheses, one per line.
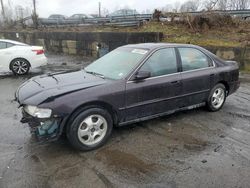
(44, 129)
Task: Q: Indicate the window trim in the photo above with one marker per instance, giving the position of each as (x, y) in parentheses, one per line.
(146, 59)
(179, 54)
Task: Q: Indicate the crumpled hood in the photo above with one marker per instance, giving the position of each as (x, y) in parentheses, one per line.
(48, 86)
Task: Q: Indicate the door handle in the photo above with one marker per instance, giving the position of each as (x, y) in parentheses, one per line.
(175, 82)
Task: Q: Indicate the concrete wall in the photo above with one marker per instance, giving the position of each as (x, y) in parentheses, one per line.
(86, 43)
(239, 54)
(82, 43)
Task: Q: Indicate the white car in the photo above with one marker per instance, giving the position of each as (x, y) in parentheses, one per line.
(19, 57)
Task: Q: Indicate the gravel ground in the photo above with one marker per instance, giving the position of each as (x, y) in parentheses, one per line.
(193, 148)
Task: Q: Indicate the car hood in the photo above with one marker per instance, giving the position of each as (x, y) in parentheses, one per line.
(49, 86)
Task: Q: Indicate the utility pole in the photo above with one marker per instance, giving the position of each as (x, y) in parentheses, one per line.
(99, 9)
(3, 12)
(34, 4)
(34, 16)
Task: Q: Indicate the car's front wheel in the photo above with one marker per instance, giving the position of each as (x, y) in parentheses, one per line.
(20, 66)
(216, 98)
(90, 129)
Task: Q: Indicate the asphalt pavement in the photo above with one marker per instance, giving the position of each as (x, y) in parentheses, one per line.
(193, 148)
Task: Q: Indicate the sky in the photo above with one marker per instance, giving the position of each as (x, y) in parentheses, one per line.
(69, 7)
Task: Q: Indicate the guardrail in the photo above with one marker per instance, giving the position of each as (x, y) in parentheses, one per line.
(239, 13)
(130, 20)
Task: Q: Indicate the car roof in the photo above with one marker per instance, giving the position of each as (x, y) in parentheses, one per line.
(12, 41)
(153, 46)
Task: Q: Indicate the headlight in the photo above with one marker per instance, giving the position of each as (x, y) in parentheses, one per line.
(38, 112)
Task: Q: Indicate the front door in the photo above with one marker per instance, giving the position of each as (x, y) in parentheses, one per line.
(158, 93)
(5, 55)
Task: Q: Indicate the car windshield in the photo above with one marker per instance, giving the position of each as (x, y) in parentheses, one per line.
(117, 64)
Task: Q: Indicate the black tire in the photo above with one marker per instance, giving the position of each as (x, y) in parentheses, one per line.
(20, 66)
(77, 120)
(210, 106)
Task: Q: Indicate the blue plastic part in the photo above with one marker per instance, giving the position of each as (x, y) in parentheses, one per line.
(47, 128)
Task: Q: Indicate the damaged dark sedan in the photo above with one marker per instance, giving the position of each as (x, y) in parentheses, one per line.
(130, 84)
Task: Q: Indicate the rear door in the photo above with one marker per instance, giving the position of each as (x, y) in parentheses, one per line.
(196, 75)
(159, 93)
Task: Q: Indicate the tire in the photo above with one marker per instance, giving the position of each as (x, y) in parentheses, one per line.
(20, 66)
(90, 129)
(217, 98)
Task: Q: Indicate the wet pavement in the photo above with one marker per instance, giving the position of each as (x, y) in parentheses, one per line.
(194, 148)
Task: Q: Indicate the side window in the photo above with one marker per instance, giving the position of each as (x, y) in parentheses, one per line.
(162, 62)
(3, 45)
(9, 45)
(193, 59)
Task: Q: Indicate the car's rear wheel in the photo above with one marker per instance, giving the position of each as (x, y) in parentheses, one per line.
(216, 98)
(90, 129)
(20, 66)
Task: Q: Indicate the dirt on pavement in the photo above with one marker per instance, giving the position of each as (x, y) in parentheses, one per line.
(192, 148)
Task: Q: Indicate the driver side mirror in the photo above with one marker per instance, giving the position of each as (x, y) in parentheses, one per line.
(141, 75)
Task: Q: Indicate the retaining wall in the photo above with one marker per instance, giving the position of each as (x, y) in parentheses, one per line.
(96, 43)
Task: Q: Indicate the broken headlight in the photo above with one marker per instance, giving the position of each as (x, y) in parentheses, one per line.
(38, 112)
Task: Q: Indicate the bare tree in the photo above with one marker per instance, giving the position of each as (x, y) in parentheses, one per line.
(210, 4)
(226, 4)
(19, 11)
(176, 6)
(223, 4)
(35, 15)
(239, 4)
(190, 6)
(167, 8)
(3, 12)
(105, 12)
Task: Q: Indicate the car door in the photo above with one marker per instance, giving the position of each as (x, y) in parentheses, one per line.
(5, 55)
(158, 93)
(196, 76)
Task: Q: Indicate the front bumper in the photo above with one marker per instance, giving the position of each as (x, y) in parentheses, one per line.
(43, 129)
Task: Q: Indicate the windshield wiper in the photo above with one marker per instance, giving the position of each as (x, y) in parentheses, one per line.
(95, 73)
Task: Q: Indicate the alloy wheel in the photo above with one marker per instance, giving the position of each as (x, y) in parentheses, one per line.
(92, 130)
(20, 67)
(218, 98)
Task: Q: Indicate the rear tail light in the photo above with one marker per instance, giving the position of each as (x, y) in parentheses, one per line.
(38, 52)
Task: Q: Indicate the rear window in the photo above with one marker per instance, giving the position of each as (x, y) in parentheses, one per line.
(193, 59)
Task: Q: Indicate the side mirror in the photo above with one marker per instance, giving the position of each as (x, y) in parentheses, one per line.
(141, 75)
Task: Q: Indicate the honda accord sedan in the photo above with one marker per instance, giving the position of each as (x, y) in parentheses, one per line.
(130, 84)
(19, 57)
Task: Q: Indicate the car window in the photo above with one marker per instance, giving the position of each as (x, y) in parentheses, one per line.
(118, 63)
(3, 45)
(9, 45)
(162, 62)
(193, 59)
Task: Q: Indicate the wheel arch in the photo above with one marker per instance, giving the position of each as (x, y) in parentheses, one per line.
(225, 83)
(92, 104)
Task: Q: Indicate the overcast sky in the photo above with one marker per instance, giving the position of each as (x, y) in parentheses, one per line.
(69, 7)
